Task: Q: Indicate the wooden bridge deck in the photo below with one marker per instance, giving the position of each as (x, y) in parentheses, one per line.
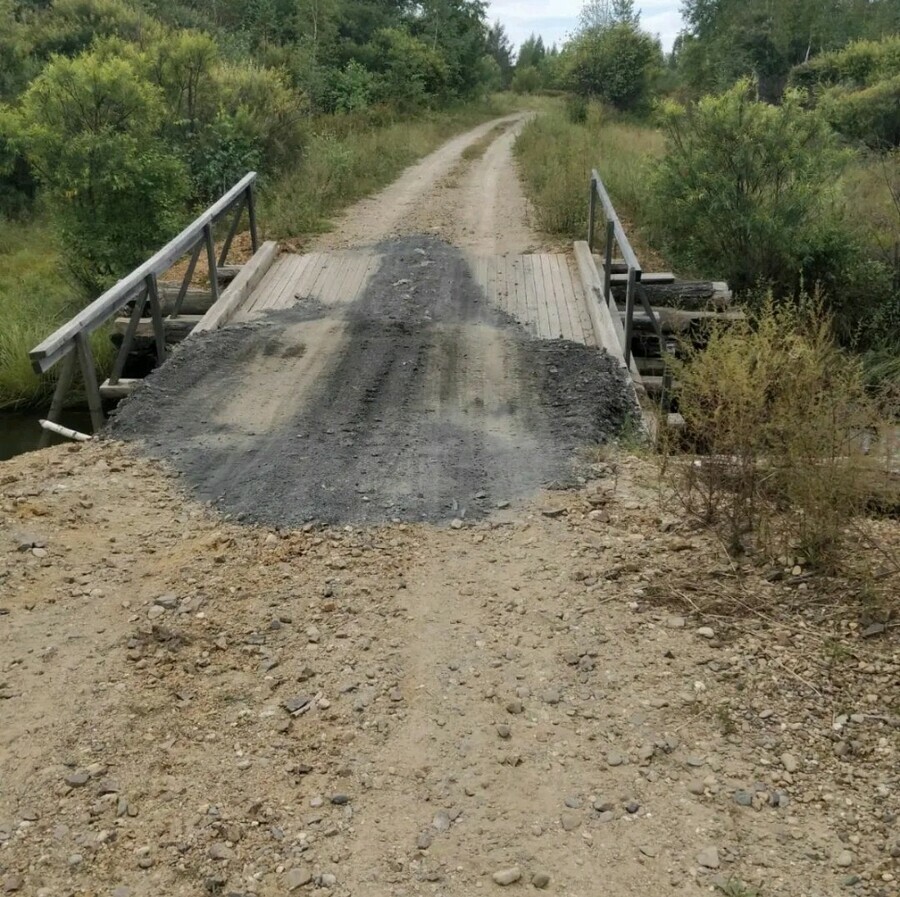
(542, 292)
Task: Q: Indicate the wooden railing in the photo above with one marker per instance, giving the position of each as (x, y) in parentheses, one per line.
(617, 238)
(71, 343)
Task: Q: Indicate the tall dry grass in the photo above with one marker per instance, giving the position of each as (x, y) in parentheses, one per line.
(785, 445)
(558, 150)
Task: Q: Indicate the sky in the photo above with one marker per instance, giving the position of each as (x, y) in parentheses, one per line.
(555, 19)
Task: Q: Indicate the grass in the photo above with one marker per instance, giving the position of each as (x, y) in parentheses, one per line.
(36, 296)
(349, 157)
(556, 156)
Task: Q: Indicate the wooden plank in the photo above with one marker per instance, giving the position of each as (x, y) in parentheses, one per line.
(345, 276)
(578, 312)
(288, 296)
(176, 329)
(239, 290)
(518, 286)
(269, 299)
(283, 296)
(262, 289)
(531, 296)
(120, 390)
(320, 278)
(621, 280)
(350, 284)
(373, 261)
(555, 325)
(567, 327)
(309, 275)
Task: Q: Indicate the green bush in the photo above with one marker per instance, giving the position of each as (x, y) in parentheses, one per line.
(526, 79)
(88, 127)
(747, 191)
(616, 63)
(871, 114)
(858, 89)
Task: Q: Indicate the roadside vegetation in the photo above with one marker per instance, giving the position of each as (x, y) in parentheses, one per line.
(762, 151)
(118, 124)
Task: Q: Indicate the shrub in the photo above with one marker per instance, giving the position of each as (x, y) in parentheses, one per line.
(88, 127)
(527, 79)
(781, 424)
(748, 191)
(616, 63)
(871, 115)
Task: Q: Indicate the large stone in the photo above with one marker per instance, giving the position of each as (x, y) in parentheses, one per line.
(504, 877)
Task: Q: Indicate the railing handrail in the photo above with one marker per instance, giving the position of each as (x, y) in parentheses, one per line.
(62, 341)
(628, 254)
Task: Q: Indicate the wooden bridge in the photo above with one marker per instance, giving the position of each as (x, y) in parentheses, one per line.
(602, 300)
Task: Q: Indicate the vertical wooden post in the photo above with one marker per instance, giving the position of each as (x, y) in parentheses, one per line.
(211, 261)
(89, 375)
(251, 214)
(159, 330)
(629, 313)
(607, 262)
(592, 214)
(63, 385)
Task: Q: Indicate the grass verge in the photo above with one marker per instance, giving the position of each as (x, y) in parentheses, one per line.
(556, 155)
(36, 296)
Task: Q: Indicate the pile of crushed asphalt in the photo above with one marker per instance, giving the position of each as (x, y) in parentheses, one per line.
(419, 401)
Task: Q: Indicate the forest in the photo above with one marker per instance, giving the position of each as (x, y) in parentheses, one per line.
(763, 149)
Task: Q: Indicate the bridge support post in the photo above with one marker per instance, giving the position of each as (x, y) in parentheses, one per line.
(607, 260)
(592, 214)
(89, 375)
(251, 214)
(629, 314)
(63, 385)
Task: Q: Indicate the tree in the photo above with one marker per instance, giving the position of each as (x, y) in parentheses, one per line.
(531, 53)
(500, 48)
(729, 39)
(89, 127)
(616, 63)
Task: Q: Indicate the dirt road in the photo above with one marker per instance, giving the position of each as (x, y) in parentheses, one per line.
(191, 707)
(528, 699)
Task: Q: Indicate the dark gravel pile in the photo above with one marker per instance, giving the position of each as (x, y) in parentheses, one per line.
(432, 405)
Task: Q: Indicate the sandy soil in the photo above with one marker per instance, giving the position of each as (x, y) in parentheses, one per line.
(549, 698)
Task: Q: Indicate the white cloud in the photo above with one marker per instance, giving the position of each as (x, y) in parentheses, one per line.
(554, 22)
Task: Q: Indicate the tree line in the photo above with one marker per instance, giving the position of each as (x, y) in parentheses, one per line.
(123, 115)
